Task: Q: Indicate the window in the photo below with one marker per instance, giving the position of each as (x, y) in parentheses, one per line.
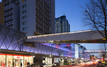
(23, 6)
(23, 23)
(2, 60)
(24, 12)
(24, 17)
(24, 28)
(24, 1)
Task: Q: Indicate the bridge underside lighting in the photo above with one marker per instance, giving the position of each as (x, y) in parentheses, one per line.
(81, 41)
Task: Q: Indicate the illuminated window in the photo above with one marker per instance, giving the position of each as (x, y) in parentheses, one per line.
(23, 1)
(2, 60)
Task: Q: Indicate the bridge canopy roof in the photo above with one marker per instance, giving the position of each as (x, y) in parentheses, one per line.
(77, 35)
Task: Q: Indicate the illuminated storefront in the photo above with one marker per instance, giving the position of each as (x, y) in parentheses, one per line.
(11, 60)
(47, 60)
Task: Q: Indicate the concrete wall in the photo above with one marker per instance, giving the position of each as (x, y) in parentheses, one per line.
(30, 20)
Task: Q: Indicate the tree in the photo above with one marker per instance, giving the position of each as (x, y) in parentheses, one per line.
(95, 14)
(102, 53)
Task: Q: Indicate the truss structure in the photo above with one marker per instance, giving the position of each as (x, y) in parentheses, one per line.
(42, 48)
(11, 39)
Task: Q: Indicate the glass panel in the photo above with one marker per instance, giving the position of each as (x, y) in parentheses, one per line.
(25, 61)
(18, 61)
(2, 60)
(9, 61)
(31, 60)
(15, 61)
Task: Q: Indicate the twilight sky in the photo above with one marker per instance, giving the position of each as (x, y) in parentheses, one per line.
(73, 11)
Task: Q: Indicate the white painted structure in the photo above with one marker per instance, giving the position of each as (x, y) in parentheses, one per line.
(95, 51)
(76, 51)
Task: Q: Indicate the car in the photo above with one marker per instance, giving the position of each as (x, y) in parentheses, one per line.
(73, 63)
(56, 64)
(100, 64)
(80, 61)
(105, 63)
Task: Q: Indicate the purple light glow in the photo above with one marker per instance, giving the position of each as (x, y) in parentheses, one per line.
(56, 46)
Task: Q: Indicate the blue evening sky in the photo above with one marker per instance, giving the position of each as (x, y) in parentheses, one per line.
(72, 10)
(95, 46)
(0, 0)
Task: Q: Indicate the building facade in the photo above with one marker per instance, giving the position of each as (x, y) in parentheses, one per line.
(70, 46)
(37, 16)
(1, 13)
(12, 14)
(79, 51)
(14, 52)
(11, 43)
(32, 17)
(62, 25)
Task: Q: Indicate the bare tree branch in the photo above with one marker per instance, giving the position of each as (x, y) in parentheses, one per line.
(95, 13)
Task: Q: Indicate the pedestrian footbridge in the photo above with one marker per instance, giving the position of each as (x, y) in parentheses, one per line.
(86, 36)
(95, 51)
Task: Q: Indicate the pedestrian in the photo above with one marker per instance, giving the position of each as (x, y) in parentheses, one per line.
(13, 64)
(28, 64)
(21, 64)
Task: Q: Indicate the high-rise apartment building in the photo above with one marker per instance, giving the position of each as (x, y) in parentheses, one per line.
(30, 16)
(62, 25)
(37, 16)
(1, 13)
(12, 14)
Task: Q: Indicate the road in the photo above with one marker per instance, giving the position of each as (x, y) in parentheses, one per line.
(79, 66)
